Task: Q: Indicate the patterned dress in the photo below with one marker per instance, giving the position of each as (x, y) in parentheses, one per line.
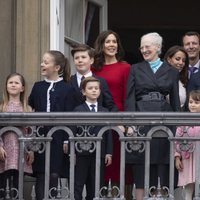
(187, 175)
(11, 145)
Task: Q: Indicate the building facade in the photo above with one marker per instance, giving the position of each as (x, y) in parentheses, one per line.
(29, 28)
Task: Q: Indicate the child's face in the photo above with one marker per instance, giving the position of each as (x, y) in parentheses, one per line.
(48, 67)
(92, 91)
(82, 62)
(14, 86)
(194, 106)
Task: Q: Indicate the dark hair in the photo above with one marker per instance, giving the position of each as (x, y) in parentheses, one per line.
(63, 62)
(184, 72)
(99, 59)
(191, 33)
(195, 95)
(83, 47)
(87, 80)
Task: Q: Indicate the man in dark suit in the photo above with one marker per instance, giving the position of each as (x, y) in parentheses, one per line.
(85, 158)
(83, 57)
(191, 44)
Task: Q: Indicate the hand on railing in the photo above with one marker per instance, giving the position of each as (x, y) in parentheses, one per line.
(108, 159)
(2, 154)
(65, 147)
(122, 128)
(130, 131)
(178, 163)
(30, 157)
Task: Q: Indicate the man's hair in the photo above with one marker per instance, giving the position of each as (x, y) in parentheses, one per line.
(191, 33)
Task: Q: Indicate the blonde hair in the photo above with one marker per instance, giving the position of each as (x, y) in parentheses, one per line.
(23, 97)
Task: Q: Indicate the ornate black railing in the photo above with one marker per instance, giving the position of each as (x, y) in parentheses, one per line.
(137, 142)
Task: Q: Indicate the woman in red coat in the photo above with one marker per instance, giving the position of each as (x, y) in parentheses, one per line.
(109, 64)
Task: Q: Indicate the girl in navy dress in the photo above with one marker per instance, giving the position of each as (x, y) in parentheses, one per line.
(50, 95)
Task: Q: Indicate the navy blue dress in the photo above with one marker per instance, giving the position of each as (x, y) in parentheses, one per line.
(47, 96)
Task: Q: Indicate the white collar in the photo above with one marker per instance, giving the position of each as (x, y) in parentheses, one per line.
(196, 65)
(89, 103)
(54, 81)
(79, 76)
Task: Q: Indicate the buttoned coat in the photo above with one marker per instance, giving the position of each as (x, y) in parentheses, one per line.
(143, 80)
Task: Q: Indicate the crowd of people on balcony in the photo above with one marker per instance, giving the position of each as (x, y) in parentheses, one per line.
(105, 82)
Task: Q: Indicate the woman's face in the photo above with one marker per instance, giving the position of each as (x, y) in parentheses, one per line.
(177, 60)
(149, 50)
(110, 46)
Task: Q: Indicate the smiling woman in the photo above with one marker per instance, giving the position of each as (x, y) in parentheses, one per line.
(149, 83)
(177, 57)
(109, 64)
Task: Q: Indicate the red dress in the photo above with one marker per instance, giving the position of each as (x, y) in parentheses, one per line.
(116, 76)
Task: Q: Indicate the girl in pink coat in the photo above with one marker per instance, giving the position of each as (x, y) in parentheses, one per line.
(185, 160)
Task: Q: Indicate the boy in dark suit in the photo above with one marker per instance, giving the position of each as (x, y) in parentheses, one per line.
(83, 57)
(85, 159)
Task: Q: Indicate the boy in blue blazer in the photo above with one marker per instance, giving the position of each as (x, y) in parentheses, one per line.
(85, 160)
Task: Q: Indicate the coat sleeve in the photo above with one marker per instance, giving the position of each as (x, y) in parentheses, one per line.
(130, 95)
(174, 92)
(31, 97)
(125, 80)
(108, 142)
(108, 101)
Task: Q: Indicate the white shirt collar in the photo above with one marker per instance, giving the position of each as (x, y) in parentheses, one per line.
(89, 103)
(196, 65)
(79, 76)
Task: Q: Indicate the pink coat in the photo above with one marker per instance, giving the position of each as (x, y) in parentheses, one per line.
(187, 175)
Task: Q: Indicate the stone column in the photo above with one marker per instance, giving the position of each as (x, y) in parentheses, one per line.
(7, 56)
(32, 37)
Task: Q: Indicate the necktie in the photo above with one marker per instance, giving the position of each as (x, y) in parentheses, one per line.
(82, 78)
(93, 108)
(192, 70)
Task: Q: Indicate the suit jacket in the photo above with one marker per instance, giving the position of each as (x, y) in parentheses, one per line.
(194, 82)
(106, 144)
(105, 99)
(143, 80)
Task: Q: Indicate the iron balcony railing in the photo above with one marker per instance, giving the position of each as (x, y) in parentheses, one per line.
(62, 121)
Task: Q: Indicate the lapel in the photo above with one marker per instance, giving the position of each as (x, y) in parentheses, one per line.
(86, 108)
(100, 108)
(74, 82)
(162, 70)
(145, 67)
